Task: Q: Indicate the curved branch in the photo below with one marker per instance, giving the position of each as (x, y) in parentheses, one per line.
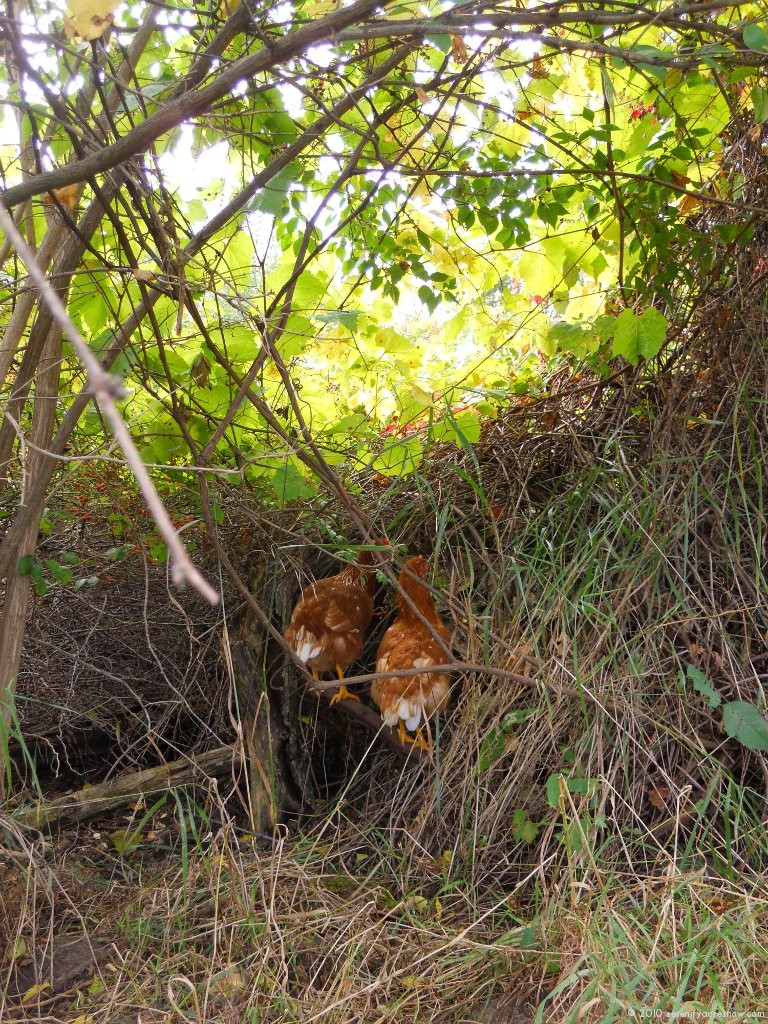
(191, 104)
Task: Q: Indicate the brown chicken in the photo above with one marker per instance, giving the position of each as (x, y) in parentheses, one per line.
(330, 619)
(406, 701)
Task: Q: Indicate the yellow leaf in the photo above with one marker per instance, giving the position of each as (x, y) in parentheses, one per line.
(96, 987)
(320, 8)
(459, 49)
(36, 990)
(126, 840)
(89, 19)
(201, 370)
(422, 396)
(140, 274)
(688, 203)
(230, 984)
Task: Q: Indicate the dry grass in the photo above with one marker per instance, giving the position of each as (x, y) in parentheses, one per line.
(589, 844)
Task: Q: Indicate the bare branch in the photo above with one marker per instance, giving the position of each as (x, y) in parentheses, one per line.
(105, 387)
(190, 104)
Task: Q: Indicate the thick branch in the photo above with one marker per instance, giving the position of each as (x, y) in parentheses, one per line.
(87, 803)
(192, 104)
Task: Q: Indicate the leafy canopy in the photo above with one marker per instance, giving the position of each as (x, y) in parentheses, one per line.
(339, 231)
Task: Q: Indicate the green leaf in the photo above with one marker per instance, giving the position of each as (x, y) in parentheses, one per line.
(29, 567)
(90, 581)
(343, 317)
(523, 829)
(296, 336)
(492, 748)
(702, 685)
(760, 102)
(310, 289)
(240, 343)
(430, 299)
(158, 550)
(464, 429)
(577, 785)
(516, 717)
(59, 572)
(564, 337)
(25, 565)
(94, 312)
(442, 43)
(553, 790)
(756, 38)
(115, 554)
(282, 130)
(744, 722)
(400, 457)
(289, 485)
(637, 337)
(159, 450)
(36, 575)
(270, 199)
(642, 50)
(126, 840)
(240, 252)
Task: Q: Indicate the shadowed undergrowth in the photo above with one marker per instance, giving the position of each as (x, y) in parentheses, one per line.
(588, 840)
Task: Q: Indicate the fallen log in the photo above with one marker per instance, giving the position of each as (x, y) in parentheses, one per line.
(94, 800)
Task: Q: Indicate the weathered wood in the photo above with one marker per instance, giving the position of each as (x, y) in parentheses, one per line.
(267, 701)
(87, 803)
(372, 721)
(18, 588)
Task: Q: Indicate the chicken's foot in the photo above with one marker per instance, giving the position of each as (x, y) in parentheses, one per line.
(418, 740)
(342, 693)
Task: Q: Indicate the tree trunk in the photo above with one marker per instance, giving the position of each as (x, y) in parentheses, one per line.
(268, 702)
(17, 594)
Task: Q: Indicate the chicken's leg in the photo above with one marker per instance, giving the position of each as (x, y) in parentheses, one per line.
(342, 693)
(316, 677)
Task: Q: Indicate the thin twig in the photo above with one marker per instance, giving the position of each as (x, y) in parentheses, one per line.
(451, 666)
(105, 387)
